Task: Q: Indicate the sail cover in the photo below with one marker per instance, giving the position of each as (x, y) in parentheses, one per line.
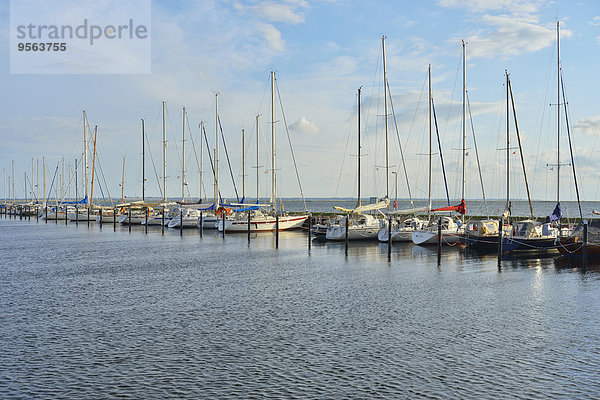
(461, 208)
(369, 207)
(556, 214)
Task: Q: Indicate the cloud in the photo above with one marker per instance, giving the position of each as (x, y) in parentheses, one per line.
(512, 36)
(272, 36)
(514, 6)
(595, 21)
(305, 127)
(588, 126)
(287, 12)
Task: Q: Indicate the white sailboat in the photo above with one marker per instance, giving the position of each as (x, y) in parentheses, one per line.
(362, 226)
(262, 221)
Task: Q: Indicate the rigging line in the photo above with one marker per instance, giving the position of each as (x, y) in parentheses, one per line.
(440, 147)
(173, 136)
(153, 166)
(228, 162)
(400, 145)
(104, 180)
(291, 148)
(487, 211)
(51, 184)
(196, 156)
(210, 160)
(562, 84)
(520, 148)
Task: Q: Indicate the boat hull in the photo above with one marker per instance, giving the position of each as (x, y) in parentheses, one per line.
(531, 245)
(426, 237)
(266, 224)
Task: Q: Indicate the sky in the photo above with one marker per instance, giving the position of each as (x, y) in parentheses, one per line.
(322, 51)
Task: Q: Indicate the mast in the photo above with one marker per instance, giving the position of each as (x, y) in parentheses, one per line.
(273, 178)
(558, 113)
(387, 150)
(93, 165)
(183, 160)
(13, 180)
(44, 176)
(76, 189)
(464, 121)
(216, 149)
(243, 166)
(164, 153)
(25, 185)
(257, 161)
(143, 163)
(37, 186)
(358, 163)
(201, 159)
(85, 157)
(33, 179)
(430, 137)
(123, 182)
(507, 147)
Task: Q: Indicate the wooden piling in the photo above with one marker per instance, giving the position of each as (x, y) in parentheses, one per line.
(346, 236)
(276, 230)
(389, 238)
(585, 243)
(439, 250)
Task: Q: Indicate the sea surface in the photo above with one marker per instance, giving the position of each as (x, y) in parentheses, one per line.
(95, 313)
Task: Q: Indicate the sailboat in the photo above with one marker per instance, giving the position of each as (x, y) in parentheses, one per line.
(450, 229)
(261, 221)
(360, 225)
(531, 235)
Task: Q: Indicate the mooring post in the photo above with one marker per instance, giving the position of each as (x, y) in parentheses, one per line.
(439, 254)
(390, 238)
(20, 213)
(146, 224)
(346, 236)
(115, 220)
(129, 218)
(500, 235)
(76, 216)
(309, 230)
(100, 218)
(46, 219)
(181, 222)
(56, 215)
(201, 224)
(88, 216)
(276, 230)
(162, 225)
(66, 214)
(249, 217)
(37, 214)
(585, 243)
(223, 222)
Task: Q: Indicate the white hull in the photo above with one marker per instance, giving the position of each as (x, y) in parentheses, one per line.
(136, 219)
(52, 215)
(188, 222)
(404, 235)
(338, 232)
(208, 222)
(262, 224)
(429, 237)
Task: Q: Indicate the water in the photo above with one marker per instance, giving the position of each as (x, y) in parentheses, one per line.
(90, 313)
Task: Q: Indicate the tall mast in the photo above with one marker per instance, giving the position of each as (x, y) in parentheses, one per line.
(257, 161)
(33, 179)
(558, 113)
(507, 146)
(76, 189)
(13, 180)
(37, 186)
(216, 149)
(358, 164)
(183, 160)
(273, 182)
(123, 182)
(164, 153)
(93, 165)
(143, 162)
(201, 159)
(430, 136)
(387, 150)
(85, 157)
(464, 121)
(44, 176)
(243, 166)
(25, 185)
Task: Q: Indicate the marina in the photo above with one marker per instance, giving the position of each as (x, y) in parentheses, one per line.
(92, 312)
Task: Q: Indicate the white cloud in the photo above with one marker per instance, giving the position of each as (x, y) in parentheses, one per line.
(588, 126)
(595, 21)
(512, 36)
(305, 126)
(272, 36)
(513, 6)
(287, 12)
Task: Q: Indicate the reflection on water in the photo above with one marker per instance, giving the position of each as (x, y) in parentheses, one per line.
(92, 313)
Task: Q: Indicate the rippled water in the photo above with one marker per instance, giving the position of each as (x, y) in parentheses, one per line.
(90, 313)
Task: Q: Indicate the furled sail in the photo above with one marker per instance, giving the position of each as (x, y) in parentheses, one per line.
(461, 208)
(368, 207)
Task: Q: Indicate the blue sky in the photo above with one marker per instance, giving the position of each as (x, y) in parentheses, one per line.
(323, 51)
